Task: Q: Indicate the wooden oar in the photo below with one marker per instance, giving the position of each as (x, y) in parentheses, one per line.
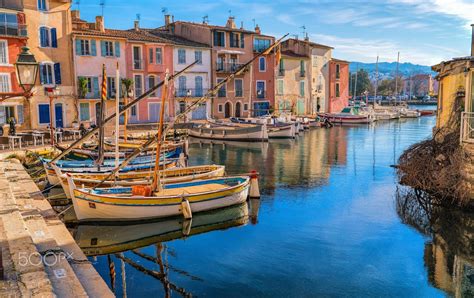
(126, 107)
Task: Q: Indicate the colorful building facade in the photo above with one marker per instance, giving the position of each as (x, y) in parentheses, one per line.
(262, 96)
(338, 85)
(13, 36)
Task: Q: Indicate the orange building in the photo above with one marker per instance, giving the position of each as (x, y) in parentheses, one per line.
(338, 85)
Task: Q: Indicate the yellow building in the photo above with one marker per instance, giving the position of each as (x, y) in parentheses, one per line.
(49, 39)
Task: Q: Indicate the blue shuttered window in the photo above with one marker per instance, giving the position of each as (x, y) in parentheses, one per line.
(117, 49)
(44, 37)
(46, 74)
(54, 38)
(181, 56)
(95, 87)
(93, 48)
(43, 113)
(198, 56)
(198, 86)
(42, 5)
(84, 111)
(21, 118)
(57, 73)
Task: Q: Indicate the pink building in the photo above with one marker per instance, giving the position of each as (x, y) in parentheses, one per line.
(338, 85)
(263, 79)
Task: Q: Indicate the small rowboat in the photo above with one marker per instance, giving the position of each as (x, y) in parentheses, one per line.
(281, 131)
(348, 116)
(230, 132)
(173, 175)
(121, 204)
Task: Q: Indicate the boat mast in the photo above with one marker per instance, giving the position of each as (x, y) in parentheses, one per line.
(376, 79)
(156, 177)
(100, 159)
(355, 83)
(117, 119)
(396, 78)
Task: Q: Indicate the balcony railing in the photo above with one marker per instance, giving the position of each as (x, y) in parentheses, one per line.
(138, 64)
(196, 92)
(467, 127)
(261, 94)
(13, 29)
(227, 67)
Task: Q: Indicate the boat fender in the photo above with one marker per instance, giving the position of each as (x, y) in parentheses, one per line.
(186, 208)
(141, 190)
(186, 228)
(254, 191)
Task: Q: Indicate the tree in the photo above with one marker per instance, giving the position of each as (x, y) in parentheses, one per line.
(363, 83)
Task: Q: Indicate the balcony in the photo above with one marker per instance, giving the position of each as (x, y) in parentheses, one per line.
(138, 64)
(13, 29)
(12, 4)
(227, 67)
(467, 127)
(199, 92)
(261, 94)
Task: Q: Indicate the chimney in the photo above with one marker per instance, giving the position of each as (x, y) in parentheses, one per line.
(257, 29)
(242, 25)
(75, 14)
(99, 23)
(472, 41)
(136, 25)
(167, 20)
(230, 23)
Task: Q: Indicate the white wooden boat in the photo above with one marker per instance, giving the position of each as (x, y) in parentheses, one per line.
(104, 239)
(281, 131)
(121, 204)
(173, 175)
(348, 116)
(230, 132)
(407, 113)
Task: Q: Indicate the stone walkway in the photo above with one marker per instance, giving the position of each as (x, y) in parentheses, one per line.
(39, 256)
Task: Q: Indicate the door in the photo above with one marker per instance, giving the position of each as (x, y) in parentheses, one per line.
(200, 112)
(58, 112)
(237, 109)
(97, 113)
(227, 110)
(154, 112)
(198, 84)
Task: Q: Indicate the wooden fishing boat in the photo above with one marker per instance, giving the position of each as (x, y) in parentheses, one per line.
(281, 131)
(171, 175)
(348, 116)
(407, 113)
(121, 204)
(230, 132)
(104, 239)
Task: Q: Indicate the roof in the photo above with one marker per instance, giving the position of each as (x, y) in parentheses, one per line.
(293, 54)
(214, 27)
(339, 60)
(318, 45)
(177, 40)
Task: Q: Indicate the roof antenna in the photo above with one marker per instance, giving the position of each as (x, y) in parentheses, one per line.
(138, 17)
(102, 4)
(205, 19)
(254, 24)
(164, 10)
(78, 3)
(230, 13)
(295, 36)
(304, 30)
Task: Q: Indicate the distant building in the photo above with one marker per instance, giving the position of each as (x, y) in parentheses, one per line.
(419, 85)
(13, 36)
(338, 85)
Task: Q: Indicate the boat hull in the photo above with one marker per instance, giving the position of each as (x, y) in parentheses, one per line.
(96, 207)
(248, 134)
(349, 119)
(282, 132)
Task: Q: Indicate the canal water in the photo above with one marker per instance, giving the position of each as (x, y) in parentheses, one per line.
(327, 224)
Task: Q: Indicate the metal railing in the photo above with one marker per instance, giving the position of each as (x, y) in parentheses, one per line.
(467, 127)
(281, 72)
(227, 67)
(302, 73)
(190, 92)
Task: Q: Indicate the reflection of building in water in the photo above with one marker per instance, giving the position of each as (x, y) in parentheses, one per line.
(449, 257)
(337, 147)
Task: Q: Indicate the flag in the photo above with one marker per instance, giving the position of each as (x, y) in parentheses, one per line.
(104, 84)
(278, 55)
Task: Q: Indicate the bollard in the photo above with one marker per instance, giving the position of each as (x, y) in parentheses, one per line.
(254, 191)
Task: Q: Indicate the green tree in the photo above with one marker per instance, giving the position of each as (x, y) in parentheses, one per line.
(363, 83)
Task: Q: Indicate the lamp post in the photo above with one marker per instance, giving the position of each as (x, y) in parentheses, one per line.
(52, 92)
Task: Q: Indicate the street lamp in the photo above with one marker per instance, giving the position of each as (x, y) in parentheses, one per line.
(26, 70)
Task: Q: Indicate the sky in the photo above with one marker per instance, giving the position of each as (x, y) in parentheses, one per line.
(425, 32)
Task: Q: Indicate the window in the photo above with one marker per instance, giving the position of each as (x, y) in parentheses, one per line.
(151, 55)
(3, 52)
(222, 90)
(137, 57)
(315, 61)
(42, 5)
(181, 56)
(89, 85)
(281, 68)
(262, 64)
(302, 88)
(107, 48)
(198, 56)
(48, 37)
(260, 89)
(182, 91)
(111, 88)
(302, 68)
(5, 82)
(338, 68)
(246, 107)
(219, 108)
(138, 83)
(133, 111)
(46, 74)
(43, 110)
(239, 92)
(219, 39)
(198, 85)
(260, 45)
(9, 24)
(158, 57)
(234, 40)
(337, 90)
(85, 48)
(280, 87)
(84, 112)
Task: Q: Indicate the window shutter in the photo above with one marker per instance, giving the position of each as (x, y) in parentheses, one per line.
(150, 54)
(78, 47)
(222, 39)
(57, 73)
(54, 38)
(19, 110)
(117, 49)
(242, 38)
(95, 87)
(93, 48)
(41, 70)
(43, 36)
(216, 38)
(102, 48)
(3, 119)
(231, 37)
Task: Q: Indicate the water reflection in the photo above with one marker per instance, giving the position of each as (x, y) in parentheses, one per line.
(449, 255)
(142, 248)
